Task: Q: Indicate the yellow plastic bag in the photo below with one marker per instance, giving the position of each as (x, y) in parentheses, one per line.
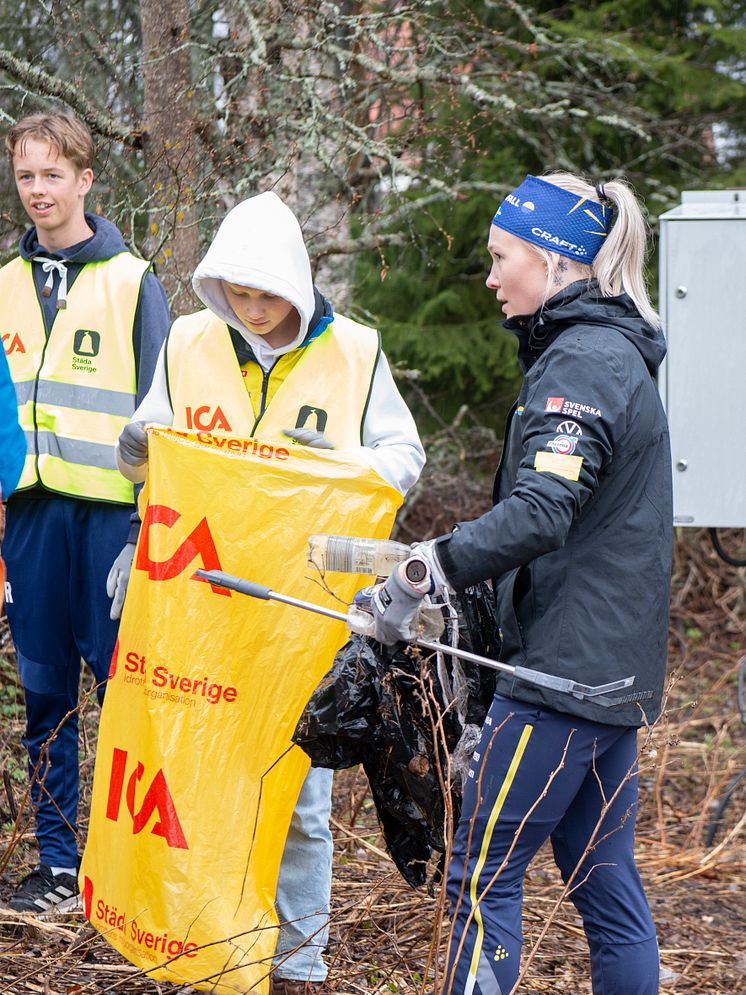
(196, 778)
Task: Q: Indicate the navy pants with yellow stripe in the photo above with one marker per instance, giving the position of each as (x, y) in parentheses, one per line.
(539, 774)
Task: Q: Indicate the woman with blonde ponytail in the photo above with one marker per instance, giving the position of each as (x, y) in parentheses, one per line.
(619, 266)
(578, 549)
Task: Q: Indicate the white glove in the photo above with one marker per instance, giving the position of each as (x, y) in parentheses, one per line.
(428, 551)
(308, 437)
(395, 603)
(133, 444)
(118, 579)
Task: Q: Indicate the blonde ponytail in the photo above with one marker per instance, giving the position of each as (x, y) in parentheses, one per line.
(619, 265)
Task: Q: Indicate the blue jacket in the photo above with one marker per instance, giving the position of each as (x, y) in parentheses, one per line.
(578, 542)
(12, 439)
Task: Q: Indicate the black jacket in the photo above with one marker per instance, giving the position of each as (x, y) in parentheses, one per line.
(579, 539)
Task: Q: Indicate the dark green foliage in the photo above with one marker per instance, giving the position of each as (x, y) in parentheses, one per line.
(652, 91)
(437, 316)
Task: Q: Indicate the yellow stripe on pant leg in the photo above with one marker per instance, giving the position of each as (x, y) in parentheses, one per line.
(494, 815)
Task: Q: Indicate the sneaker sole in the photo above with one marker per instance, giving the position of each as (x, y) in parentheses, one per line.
(65, 907)
(74, 904)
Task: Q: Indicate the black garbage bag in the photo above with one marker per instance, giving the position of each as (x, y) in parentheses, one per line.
(478, 633)
(370, 709)
(380, 709)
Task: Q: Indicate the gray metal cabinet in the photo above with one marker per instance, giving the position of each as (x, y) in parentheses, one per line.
(703, 380)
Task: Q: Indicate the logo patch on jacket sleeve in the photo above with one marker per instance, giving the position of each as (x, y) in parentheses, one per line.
(559, 463)
(572, 409)
(563, 444)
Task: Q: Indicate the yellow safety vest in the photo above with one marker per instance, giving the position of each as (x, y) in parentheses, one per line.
(324, 385)
(76, 384)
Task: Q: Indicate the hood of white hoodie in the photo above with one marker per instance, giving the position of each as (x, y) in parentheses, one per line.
(259, 245)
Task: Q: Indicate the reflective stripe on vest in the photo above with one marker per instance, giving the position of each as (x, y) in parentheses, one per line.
(327, 388)
(76, 387)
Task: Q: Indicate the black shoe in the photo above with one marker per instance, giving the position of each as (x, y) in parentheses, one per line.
(41, 892)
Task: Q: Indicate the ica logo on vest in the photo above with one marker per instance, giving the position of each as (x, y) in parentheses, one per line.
(14, 344)
(206, 418)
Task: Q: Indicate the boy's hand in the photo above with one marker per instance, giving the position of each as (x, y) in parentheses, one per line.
(118, 579)
(133, 444)
(308, 437)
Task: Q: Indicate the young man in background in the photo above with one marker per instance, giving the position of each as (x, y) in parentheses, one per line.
(83, 321)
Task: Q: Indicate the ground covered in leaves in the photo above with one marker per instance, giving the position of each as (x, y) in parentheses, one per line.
(382, 931)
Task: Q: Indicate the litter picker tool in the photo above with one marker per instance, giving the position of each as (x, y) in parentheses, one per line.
(361, 622)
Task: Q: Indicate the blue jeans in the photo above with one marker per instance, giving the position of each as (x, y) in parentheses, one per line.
(519, 793)
(305, 882)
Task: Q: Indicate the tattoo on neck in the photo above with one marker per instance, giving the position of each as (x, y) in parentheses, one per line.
(561, 268)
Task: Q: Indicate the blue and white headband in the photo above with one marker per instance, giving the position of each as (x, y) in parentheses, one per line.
(555, 219)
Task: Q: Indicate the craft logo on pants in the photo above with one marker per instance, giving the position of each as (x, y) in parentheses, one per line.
(157, 801)
(199, 544)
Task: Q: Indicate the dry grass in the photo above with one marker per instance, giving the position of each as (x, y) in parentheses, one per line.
(381, 930)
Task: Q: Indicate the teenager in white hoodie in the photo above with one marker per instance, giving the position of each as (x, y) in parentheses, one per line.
(269, 358)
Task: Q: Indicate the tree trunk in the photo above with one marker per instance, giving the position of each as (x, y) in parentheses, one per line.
(319, 199)
(169, 144)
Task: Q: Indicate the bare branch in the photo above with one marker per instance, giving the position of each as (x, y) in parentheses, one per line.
(46, 85)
